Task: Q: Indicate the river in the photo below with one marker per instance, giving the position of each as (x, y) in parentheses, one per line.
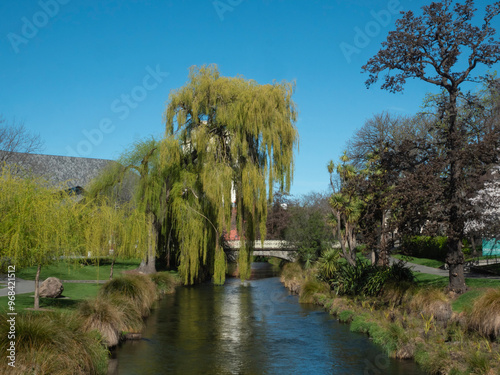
(252, 327)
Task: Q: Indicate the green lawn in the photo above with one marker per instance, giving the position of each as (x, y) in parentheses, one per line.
(476, 288)
(421, 261)
(73, 270)
(74, 292)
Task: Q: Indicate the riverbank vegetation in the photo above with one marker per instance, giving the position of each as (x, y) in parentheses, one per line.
(74, 338)
(413, 318)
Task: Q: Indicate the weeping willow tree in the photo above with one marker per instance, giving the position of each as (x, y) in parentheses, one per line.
(42, 223)
(37, 222)
(113, 230)
(138, 180)
(233, 136)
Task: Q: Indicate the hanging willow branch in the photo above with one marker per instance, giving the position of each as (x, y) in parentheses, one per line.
(232, 133)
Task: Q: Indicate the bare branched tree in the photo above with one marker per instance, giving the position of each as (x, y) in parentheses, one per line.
(15, 138)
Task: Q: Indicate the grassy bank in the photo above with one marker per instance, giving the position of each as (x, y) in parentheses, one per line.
(80, 269)
(72, 335)
(444, 334)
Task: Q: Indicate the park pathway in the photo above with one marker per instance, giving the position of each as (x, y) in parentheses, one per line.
(440, 272)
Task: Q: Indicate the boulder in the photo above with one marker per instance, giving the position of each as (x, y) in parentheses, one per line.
(51, 288)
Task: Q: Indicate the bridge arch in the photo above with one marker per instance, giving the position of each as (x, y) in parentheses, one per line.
(271, 248)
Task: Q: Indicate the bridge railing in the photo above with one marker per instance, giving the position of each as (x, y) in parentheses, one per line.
(272, 244)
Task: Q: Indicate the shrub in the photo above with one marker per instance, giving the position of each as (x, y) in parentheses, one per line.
(310, 288)
(348, 280)
(165, 282)
(485, 314)
(425, 247)
(137, 287)
(55, 344)
(328, 264)
(346, 316)
(369, 280)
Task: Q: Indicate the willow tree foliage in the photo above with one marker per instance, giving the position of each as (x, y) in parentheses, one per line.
(138, 190)
(42, 222)
(36, 222)
(235, 136)
(113, 230)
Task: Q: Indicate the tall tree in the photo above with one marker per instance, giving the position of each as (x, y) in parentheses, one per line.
(139, 167)
(375, 150)
(307, 227)
(34, 225)
(234, 134)
(428, 47)
(346, 206)
(278, 217)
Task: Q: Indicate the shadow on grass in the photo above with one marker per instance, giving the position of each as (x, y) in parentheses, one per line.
(59, 303)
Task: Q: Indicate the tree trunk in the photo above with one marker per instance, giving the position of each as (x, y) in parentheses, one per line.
(455, 261)
(148, 263)
(112, 267)
(455, 256)
(37, 290)
(473, 245)
(383, 258)
(348, 254)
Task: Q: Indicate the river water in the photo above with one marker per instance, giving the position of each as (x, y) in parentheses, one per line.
(252, 327)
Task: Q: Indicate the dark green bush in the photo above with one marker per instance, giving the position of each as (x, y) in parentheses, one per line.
(368, 280)
(425, 247)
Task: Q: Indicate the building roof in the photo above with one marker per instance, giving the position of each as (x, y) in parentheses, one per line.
(71, 171)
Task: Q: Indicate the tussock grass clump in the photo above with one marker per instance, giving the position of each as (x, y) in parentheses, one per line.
(55, 344)
(397, 293)
(139, 288)
(292, 276)
(485, 314)
(431, 302)
(101, 315)
(311, 287)
(165, 282)
(110, 317)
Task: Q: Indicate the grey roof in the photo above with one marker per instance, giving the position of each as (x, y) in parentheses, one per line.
(72, 171)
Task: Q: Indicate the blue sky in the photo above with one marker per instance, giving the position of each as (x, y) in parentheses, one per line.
(91, 77)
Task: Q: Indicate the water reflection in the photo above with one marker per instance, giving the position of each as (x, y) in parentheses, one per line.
(254, 327)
